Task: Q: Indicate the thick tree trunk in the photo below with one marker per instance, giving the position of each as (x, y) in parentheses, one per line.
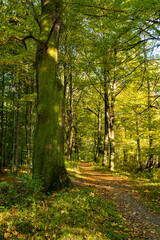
(48, 162)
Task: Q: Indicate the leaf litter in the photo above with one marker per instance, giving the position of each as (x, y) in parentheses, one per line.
(143, 223)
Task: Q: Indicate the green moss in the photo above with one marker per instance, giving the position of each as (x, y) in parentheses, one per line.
(48, 162)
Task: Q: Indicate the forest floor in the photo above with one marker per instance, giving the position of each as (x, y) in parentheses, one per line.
(99, 205)
(143, 223)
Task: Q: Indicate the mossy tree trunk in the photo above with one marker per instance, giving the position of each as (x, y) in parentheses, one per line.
(48, 162)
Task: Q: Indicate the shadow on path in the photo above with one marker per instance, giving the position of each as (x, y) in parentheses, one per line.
(144, 224)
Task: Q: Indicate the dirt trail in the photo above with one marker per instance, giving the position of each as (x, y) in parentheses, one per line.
(144, 224)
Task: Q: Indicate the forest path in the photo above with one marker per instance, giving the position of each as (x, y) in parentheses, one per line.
(143, 223)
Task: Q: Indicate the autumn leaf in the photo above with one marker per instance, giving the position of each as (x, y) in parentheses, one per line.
(7, 235)
(146, 191)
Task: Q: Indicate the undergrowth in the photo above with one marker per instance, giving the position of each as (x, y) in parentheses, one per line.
(74, 213)
(147, 184)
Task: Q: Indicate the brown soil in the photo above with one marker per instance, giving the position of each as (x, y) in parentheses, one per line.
(143, 223)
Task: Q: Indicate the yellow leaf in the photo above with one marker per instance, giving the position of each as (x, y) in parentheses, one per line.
(6, 235)
(114, 224)
(20, 235)
(146, 190)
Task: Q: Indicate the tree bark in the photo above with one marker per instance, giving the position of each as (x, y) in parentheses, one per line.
(106, 121)
(48, 161)
(138, 146)
(17, 129)
(112, 143)
(70, 117)
(76, 140)
(99, 133)
(112, 116)
(64, 105)
(150, 139)
(27, 130)
(2, 125)
(125, 155)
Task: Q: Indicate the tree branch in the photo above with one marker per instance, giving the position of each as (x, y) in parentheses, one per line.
(33, 12)
(57, 20)
(130, 46)
(23, 39)
(87, 108)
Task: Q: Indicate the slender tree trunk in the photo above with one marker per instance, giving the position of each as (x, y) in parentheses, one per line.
(2, 125)
(21, 155)
(112, 118)
(149, 118)
(125, 149)
(31, 120)
(64, 104)
(70, 117)
(13, 131)
(138, 146)
(95, 145)
(150, 139)
(112, 115)
(48, 161)
(27, 130)
(158, 165)
(106, 122)
(17, 128)
(99, 133)
(76, 141)
(112, 143)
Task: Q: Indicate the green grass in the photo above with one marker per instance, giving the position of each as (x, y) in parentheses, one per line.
(74, 213)
(147, 184)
